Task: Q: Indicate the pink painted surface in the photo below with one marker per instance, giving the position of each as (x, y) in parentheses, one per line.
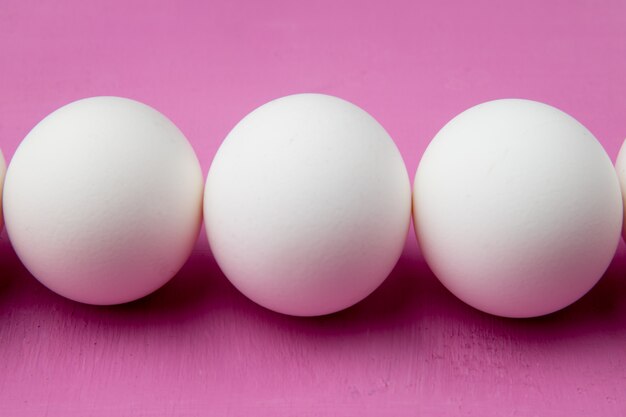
(198, 347)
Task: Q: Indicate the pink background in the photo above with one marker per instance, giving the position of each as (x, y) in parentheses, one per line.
(198, 347)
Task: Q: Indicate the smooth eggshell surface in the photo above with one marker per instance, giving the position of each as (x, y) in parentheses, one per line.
(3, 169)
(517, 208)
(103, 200)
(620, 166)
(307, 205)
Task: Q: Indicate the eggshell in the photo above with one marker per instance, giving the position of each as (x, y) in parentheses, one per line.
(620, 166)
(3, 169)
(517, 208)
(307, 205)
(103, 200)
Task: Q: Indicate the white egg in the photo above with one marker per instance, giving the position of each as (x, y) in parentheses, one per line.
(517, 208)
(307, 205)
(3, 169)
(103, 200)
(620, 165)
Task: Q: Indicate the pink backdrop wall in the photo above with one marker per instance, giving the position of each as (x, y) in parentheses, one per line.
(198, 347)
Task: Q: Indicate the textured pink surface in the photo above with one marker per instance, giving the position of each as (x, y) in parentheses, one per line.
(197, 347)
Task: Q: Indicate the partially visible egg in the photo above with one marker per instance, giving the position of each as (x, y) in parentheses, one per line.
(517, 208)
(3, 170)
(103, 200)
(620, 166)
(307, 205)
